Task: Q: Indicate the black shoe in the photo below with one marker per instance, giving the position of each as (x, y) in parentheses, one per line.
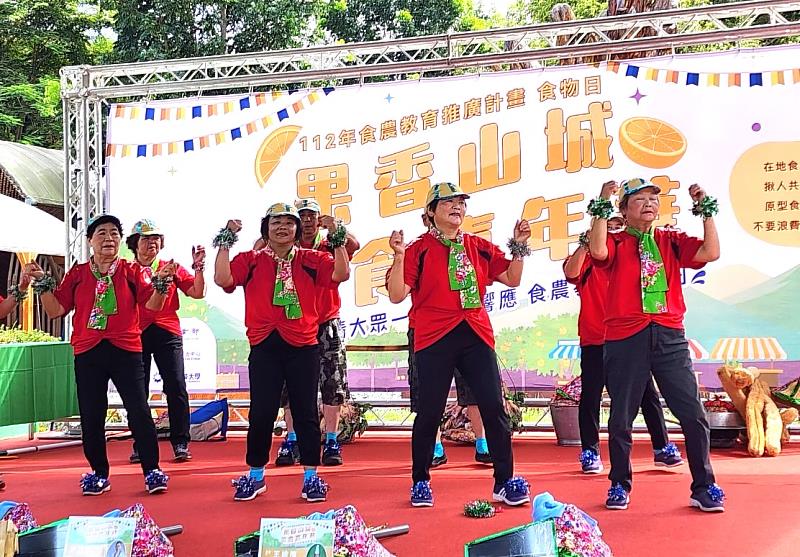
(483, 458)
(332, 454)
(134, 458)
(182, 453)
(288, 454)
(438, 460)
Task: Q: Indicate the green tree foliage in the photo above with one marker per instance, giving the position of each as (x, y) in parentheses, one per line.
(163, 29)
(37, 38)
(538, 11)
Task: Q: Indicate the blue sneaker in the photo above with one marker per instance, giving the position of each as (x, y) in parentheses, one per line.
(315, 489)
(92, 484)
(332, 453)
(421, 495)
(590, 462)
(514, 491)
(668, 457)
(248, 488)
(288, 454)
(155, 481)
(711, 500)
(618, 498)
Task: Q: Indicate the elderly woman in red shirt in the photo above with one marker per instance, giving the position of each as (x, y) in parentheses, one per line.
(162, 337)
(280, 285)
(104, 294)
(446, 271)
(644, 328)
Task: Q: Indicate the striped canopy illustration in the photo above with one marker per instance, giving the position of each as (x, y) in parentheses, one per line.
(748, 349)
(566, 350)
(697, 351)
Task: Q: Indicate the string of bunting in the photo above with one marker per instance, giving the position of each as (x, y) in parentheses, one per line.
(199, 110)
(706, 79)
(119, 150)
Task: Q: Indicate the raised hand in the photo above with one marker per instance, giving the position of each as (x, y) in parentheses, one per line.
(234, 225)
(522, 231)
(609, 189)
(33, 270)
(327, 222)
(397, 243)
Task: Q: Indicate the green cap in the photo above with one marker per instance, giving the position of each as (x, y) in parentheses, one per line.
(279, 209)
(444, 190)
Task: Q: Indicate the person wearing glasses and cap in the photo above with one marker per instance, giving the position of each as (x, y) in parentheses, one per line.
(446, 271)
(591, 282)
(280, 285)
(644, 327)
(104, 295)
(333, 357)
(162, 337)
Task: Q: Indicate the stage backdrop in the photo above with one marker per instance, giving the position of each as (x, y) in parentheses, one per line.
(532, 145)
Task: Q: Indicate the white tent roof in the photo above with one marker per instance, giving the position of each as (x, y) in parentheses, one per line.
(24, 228)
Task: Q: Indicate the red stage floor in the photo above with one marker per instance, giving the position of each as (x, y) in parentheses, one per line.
(761, 519)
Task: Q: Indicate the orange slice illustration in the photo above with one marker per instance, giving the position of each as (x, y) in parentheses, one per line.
(272, 150)
(651, 143)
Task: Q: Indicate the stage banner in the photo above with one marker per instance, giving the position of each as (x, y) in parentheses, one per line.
(532, 144)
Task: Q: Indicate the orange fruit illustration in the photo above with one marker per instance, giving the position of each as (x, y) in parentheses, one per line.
(651, 143)
(272, 150)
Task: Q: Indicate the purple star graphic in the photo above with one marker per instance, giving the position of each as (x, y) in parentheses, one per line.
(637, 96)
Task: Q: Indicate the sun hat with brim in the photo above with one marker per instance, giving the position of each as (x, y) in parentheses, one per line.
(146, 227)
(281, 209)
(307, 205)
(102, 219)
(629, 187)
(444, 190)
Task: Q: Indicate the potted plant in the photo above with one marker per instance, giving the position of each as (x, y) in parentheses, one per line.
(37, 380)
(564, 411)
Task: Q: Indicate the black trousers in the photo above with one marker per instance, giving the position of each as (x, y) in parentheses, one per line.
(274, 362)
(460, 348)
(93, 369)
(167, 350)
(593, 380)
(628, 364)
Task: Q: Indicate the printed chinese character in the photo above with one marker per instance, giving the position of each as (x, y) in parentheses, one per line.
(783, 205)
(342, 329)
(794, 205)
(769, 206)
(480, 225)
(758, 225)
(329, 186)
(569, 87)
(591, 85)
(367, 134)
(768, 167)
(430, 119)
(783, 225)
(572, 147)
(499, 166)
(668, 208)
(400, 192)
(792, 165)
(780, 166)
(451, 113)
(547, 92)
(780, 187)
(388, 129)
(515, 98)
(508, 298)
(408, 124)
(488, 301)
(560, 290)
(793, 185)
(492, 103)
(769, 186)
(347, 137)
(770, 225)
(377, 323)
(794, 225)
(370, 264)
(358, 325)
(536, 293)
(472, 108)
(556, 225)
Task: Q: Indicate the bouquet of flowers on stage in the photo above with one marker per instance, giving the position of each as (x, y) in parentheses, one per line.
(97, 536)
(286, 537)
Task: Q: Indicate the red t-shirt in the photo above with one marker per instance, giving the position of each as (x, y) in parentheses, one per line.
(329, 303)
(77, 292)
(438, 308)
(624, 314)
(255, 271)
(592, 285)
(167, 318)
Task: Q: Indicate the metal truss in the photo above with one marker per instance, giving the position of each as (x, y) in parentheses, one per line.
(85, 88)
